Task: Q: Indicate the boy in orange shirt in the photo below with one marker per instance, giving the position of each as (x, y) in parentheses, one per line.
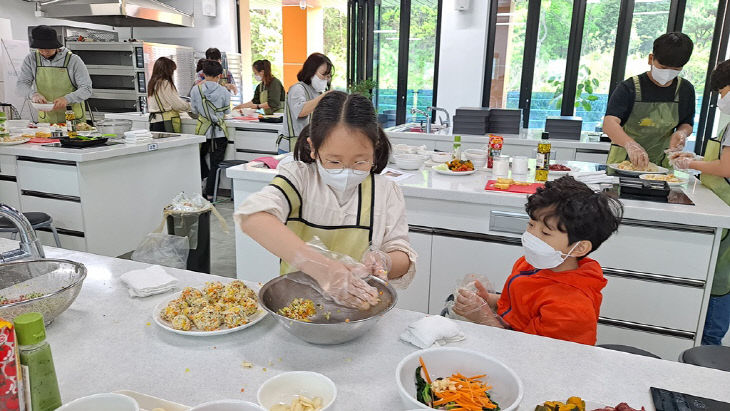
(554, 290)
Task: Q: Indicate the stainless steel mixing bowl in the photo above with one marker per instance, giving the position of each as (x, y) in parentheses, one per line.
(58, 281)
(333, 324)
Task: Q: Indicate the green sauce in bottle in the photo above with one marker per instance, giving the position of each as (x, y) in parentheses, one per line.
(36, 362)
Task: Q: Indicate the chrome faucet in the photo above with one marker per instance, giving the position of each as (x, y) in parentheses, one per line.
(428, 113)
(30, 245)
(446, 123)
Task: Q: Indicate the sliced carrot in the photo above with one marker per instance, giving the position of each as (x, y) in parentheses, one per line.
(425, 370)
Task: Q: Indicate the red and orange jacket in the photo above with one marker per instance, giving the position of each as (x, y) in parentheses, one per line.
(562, 305)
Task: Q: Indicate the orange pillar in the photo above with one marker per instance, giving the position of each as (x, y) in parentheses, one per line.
(294, 33)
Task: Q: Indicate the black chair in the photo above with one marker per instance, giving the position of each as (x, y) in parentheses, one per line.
(708, 356)
(37, 220)
(221, 166)
(628, 349)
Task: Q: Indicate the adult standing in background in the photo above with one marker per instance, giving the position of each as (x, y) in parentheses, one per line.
(165, 103)
(53, 74)
(303, 97)
(653, 111)
(269, 94)
(226, 80)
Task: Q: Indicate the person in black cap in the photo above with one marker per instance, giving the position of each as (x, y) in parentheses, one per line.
(53, 74)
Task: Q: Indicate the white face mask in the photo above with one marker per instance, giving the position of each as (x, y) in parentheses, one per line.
(540, 255)
(663, 76)
(257, 77)
(723, 103)
(343, 181)
(319, 85)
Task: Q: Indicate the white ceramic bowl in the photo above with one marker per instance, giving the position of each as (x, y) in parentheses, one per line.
(477, 157)
(507, 388)
(106, 402)
(43, 106)
(284, 388)
(409, 161)
(228, 405)
(441, 157)
(404, 149)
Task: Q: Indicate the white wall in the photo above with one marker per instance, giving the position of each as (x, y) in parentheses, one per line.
(463, 50)
(219, 31)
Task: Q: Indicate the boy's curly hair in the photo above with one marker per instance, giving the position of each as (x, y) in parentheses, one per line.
(720, 76)
(573, 208)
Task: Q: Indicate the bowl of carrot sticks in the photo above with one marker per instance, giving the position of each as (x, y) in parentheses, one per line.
(448, 378)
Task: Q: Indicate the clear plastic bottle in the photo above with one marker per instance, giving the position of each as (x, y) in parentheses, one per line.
(36, 361)
(457, 147)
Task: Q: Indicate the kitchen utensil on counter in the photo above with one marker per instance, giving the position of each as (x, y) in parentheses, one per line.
(500, 167)
(285, 387)
(445, 361)
(477, 157)
(106, 402)
(228, 405)
(111, 126)
(515, 188)
(333, 324)
(408, 161)
(46, 286)
(440, 157)
(637, 189)
(520, 165)
(82, 142)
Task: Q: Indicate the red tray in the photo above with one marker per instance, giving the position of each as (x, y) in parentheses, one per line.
(514, 188)
(38, 140)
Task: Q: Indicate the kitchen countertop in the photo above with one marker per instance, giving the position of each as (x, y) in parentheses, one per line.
(527, 137)
(97, 153)
(187, 120)
(107, 341)
(708, 211)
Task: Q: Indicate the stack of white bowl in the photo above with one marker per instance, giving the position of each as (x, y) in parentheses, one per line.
(477, 157)
(409, 161)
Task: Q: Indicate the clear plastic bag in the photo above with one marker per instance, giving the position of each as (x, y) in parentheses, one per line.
(466, 283)
(163, 249)
(184, 211)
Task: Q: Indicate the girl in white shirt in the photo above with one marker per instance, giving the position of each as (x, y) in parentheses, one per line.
(334, 192)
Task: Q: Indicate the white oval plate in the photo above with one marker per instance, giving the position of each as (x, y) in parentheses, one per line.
(659, 170)
(671, 184)
(14, 143)
(452, 173)
(167, 326)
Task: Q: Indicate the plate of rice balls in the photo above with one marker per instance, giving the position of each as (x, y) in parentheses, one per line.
(215, 308)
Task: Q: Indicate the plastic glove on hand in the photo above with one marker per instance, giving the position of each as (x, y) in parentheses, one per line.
(637, 154)
(378, 263)
(682, 163)
(38, 98)
(473, 307)
(350, 291)
(678, 140)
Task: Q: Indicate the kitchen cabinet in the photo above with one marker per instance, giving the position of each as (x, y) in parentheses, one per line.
(415, 297)
(453, 258)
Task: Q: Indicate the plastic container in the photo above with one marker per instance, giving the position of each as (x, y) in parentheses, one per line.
(500, 167)
(37, 363)
(519, 165)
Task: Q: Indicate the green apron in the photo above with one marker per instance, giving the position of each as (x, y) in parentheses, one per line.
(55, 82)
(170, 119)
(721, 188)
(292, 137)
(651, 124)
(204, 122)
(352, 240)
(264, 98)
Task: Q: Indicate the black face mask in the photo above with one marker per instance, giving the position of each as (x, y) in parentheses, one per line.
(52, 57)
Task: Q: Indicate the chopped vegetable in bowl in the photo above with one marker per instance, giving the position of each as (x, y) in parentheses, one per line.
(455, 393)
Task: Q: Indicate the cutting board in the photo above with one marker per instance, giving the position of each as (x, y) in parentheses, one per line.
(36, 140)
(514, 188)
(250, 118)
